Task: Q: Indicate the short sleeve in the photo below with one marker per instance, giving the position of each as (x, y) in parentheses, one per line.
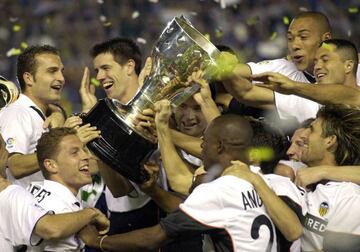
(16, 130)
(20, 213)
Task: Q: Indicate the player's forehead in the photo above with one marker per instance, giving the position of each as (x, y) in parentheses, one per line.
(326, 50)
(304, 25)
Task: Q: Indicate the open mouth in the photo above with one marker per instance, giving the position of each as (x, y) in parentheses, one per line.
(107, 85)
(85, 170)
(189, 125)
(298, 58)
(57, 87)
(320, 75)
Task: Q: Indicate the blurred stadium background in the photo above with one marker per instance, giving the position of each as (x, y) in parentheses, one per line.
(256, 29)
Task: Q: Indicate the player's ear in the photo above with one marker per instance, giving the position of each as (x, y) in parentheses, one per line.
(221, 146)
(50, 165)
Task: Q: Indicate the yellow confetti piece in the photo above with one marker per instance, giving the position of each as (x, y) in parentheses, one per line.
(329, 47)
(261, 154)
(106, 24)
(13, 52)
(252, 20)
(16, 28)
(95, 82)
(273, 35)
(207, 35)
(286, 20)
(24, 45)
(353, 10)
(218, 33)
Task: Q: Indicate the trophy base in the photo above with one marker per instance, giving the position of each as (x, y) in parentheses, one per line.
(119, 146)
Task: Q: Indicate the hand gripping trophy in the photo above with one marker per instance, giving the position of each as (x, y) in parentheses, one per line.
(179, 51)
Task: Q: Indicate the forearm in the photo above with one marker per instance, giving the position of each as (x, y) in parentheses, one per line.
(146, 239)
(167, 201)
(328, 93)
(282, 216)
(342, 173)
(23, 165)
(190, 144)
(117, 184)
(210, 110)
(60, 226)
(178, 173)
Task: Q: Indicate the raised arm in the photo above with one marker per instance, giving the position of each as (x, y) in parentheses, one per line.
(177, 171)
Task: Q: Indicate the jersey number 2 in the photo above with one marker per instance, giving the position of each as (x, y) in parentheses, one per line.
(255, 228)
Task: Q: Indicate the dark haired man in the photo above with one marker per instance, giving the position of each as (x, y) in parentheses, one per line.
(40, 74)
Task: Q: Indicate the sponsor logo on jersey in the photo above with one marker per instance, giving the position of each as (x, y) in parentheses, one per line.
(10, 142)
(315, 224)
(323, 209)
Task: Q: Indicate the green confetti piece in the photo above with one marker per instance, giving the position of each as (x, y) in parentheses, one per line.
(262, 154)
(95, 82)
(106, 24)
(218, 33)
(329, 47)
(273, 35)
(16, 28)
(252, 20)
(24, 45)
(13, 52)
(286, 20)
(353, 10)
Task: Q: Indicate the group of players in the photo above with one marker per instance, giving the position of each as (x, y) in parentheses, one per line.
(210, 187)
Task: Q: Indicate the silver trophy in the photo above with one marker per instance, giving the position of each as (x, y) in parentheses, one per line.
(179, 51)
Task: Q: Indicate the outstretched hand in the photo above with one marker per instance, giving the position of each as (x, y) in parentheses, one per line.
(274, 81)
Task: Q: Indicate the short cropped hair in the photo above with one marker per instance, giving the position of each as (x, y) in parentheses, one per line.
(346, 49)
(321, 19)
(122, 49)
(26, 61)
(343, 122)
(48, 144)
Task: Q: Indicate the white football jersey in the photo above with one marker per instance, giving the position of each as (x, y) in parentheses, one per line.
(334, 207)
(288, 106)
(18, 216)
(53, 196)
(21, 127)
(232, 204)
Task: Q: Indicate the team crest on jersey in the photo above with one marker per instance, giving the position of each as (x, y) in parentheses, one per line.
(323, 209)
(10, 142)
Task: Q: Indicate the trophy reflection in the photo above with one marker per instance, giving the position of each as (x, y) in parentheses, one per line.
(179, 51)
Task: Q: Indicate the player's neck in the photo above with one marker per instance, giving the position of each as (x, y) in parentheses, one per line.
(42, 105)
(130, 91)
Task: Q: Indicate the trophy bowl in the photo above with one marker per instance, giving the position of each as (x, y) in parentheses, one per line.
(179, 51)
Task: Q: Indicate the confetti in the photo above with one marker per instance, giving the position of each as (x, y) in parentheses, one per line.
(13, 19)
(273, 35)
(16, 28)
(24, 45)
(135, 15)
(141, 40)
(252, 20)
(106, 24)
(286, 20)
(218, 33)
(153, 1)
(329, 47)
(302, 8)
(13, 52)
(193, 13)
(261, 154)
(95, 82)
(102, 18)
(100, 1)
(353, 10)
(349, 33)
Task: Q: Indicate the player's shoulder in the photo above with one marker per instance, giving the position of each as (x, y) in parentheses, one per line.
(342, 188)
